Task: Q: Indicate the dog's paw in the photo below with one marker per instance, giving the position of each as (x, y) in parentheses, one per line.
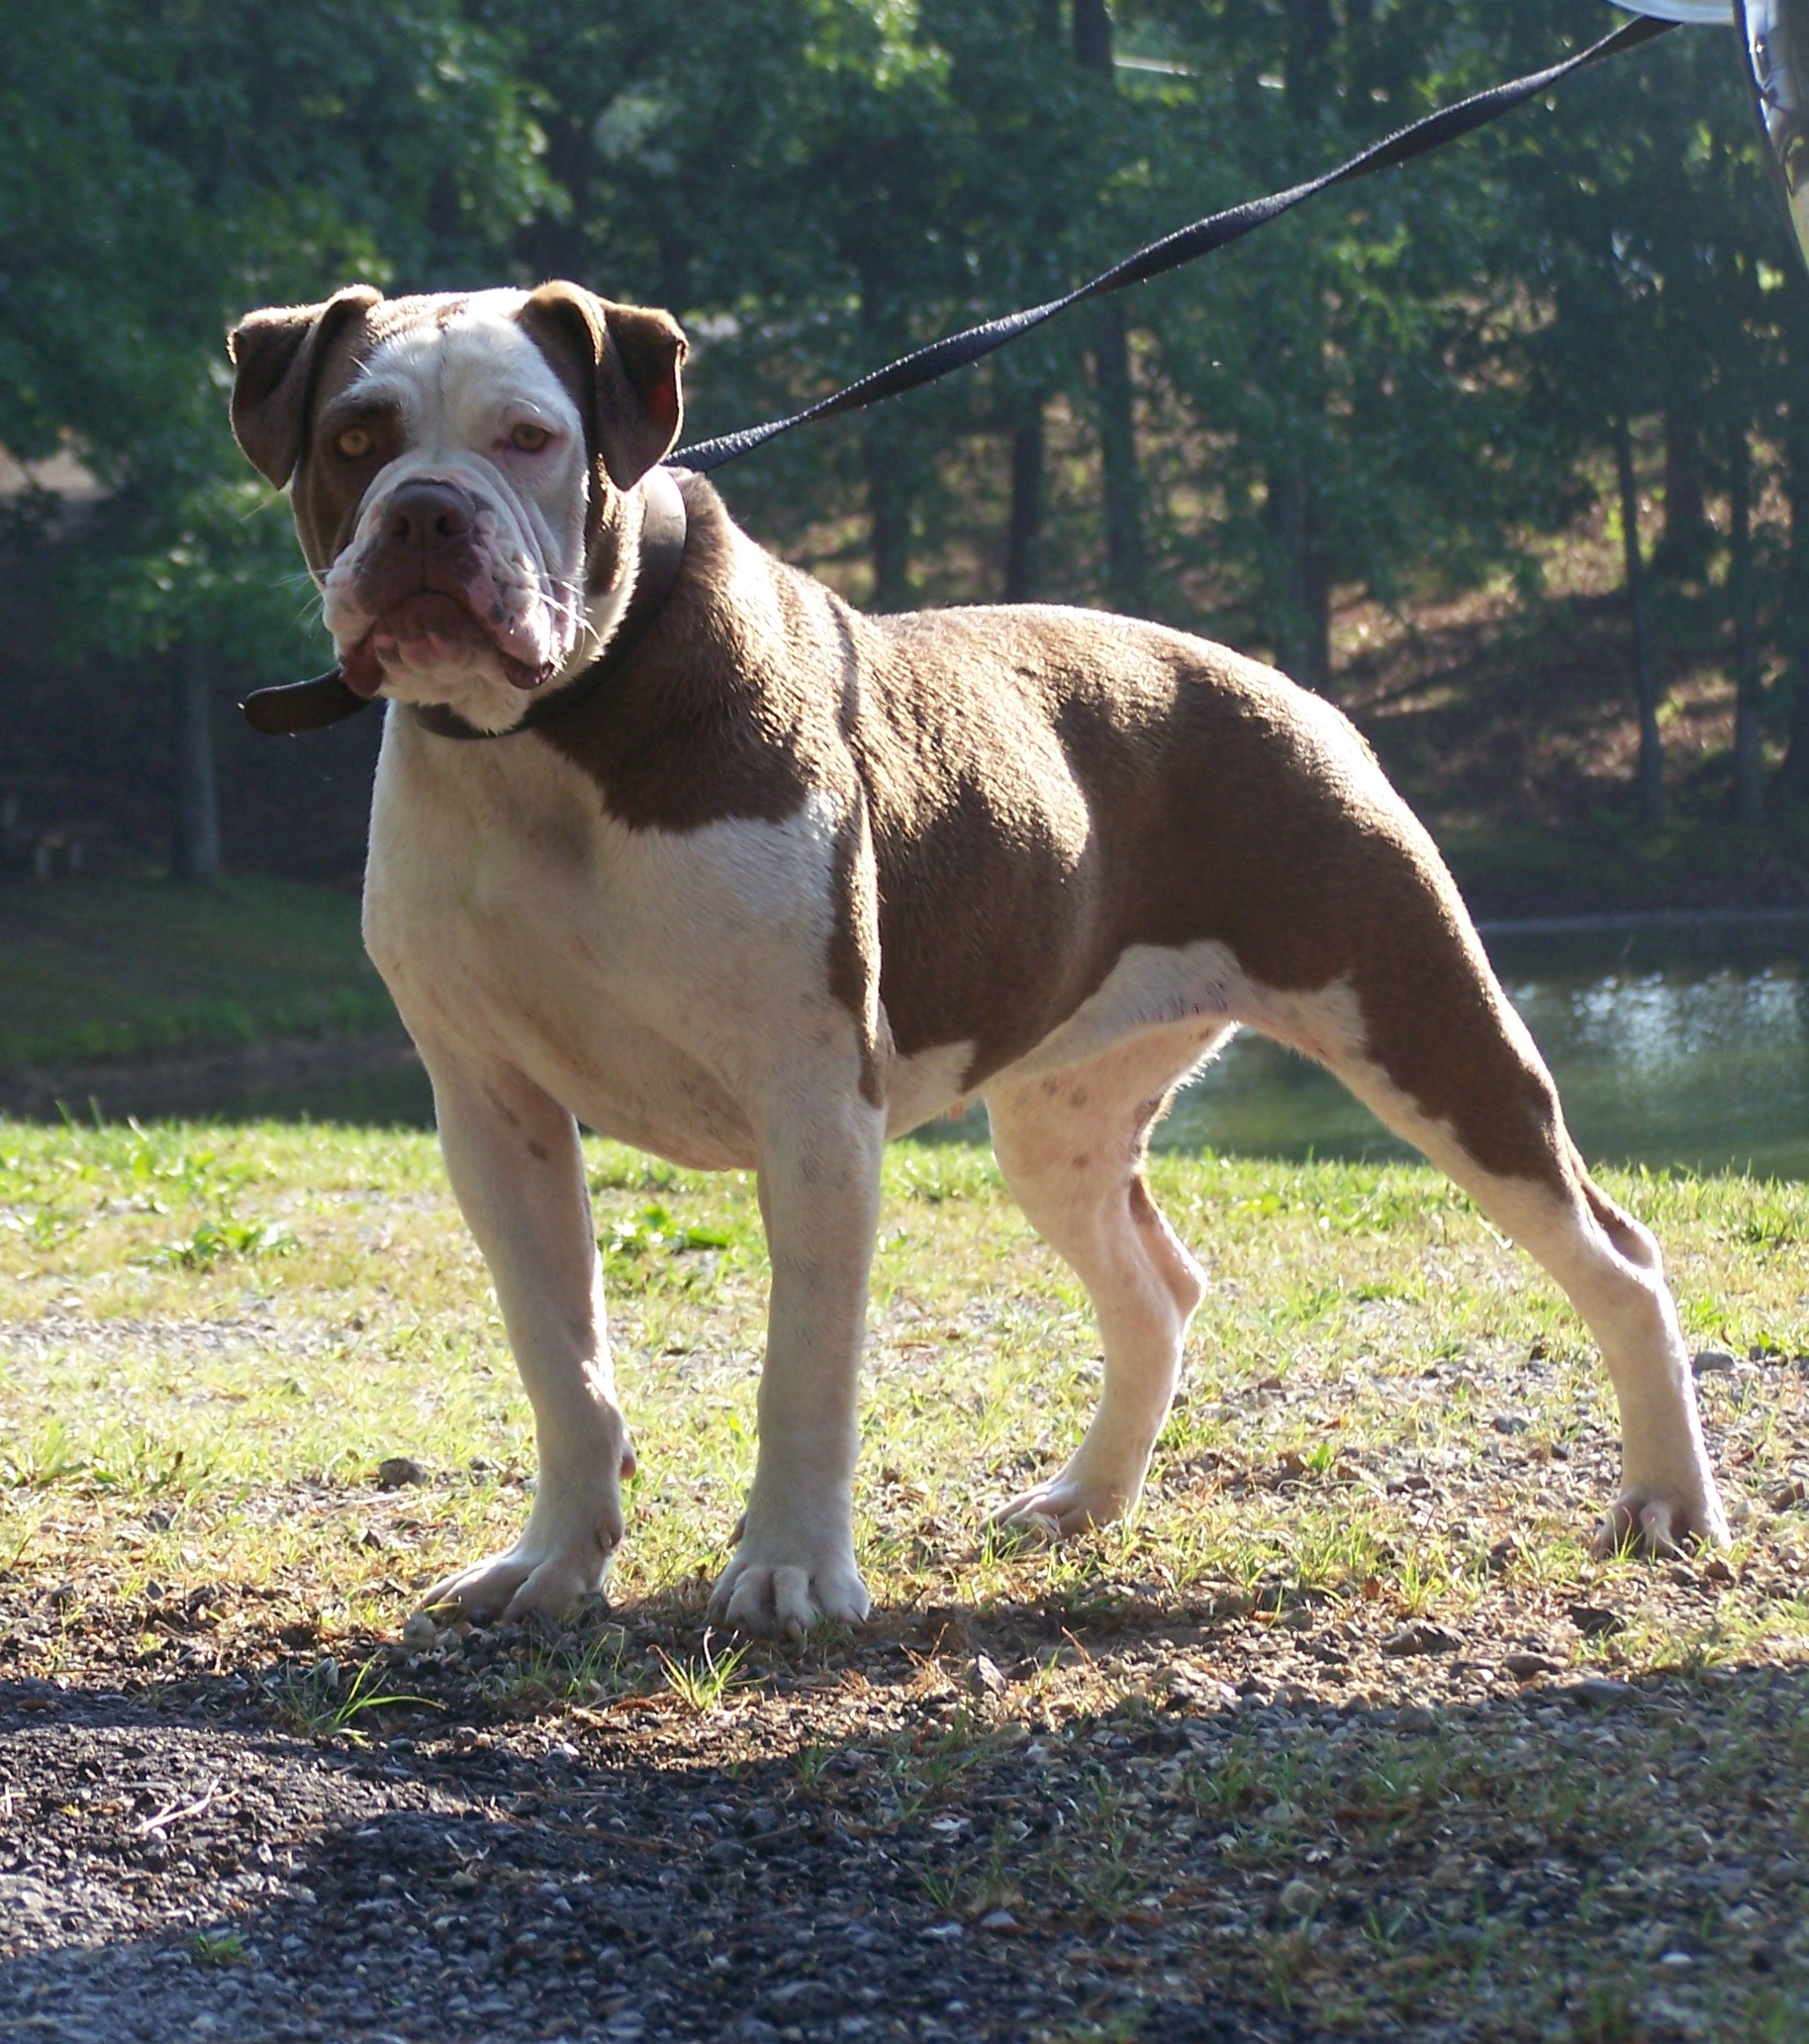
(1054, 1510)
(562, 1557)
(1655, 1521)
(772, 1591)
(526, 1582)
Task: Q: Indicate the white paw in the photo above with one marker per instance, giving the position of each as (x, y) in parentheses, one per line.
(1656, 1520)
(562, 1557)
(777, 1586)
(524, 1581)
(1063, 1506)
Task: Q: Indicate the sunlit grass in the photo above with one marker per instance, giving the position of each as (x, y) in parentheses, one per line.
(217, 1333)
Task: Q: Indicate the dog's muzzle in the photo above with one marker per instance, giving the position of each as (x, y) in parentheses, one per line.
(424, 582)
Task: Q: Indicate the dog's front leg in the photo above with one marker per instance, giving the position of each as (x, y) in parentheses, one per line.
(820, 1174)
(512, 1157)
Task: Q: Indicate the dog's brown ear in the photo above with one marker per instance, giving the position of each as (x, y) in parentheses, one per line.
(622, 365)
(276, 358)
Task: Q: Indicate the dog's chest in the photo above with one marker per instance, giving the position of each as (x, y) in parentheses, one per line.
(649, 981)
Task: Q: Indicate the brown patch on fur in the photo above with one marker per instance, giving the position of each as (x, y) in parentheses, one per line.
(277, 357)
(712, 718)
(854, 941)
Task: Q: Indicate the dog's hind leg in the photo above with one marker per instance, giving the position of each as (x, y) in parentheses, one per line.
(1070, 1145)
(1419, 1030)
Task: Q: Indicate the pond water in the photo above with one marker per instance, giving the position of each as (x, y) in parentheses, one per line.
(1672, 1042)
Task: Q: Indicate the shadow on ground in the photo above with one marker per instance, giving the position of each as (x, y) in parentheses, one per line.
(899, 1838)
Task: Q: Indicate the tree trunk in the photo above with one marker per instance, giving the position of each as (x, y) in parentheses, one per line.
(1792, 786)
(1306, 71)
(1124, 557)
(1645, 678)
(1124, 548)
(1026, 509)
(888, 507)
(197, 832)
(1092, 35)
(1688, 537)
(1748, 686)
(1301, 624)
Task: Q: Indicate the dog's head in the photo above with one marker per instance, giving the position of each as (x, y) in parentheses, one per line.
(462, 470)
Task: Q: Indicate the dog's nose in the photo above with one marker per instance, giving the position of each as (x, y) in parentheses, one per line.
(428, 515)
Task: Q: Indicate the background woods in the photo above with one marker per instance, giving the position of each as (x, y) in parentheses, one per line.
(1508, 451)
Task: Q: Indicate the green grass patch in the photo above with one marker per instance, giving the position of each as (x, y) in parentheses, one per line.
(117, 968)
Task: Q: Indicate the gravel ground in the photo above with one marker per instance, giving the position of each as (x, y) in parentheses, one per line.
(1001, 1827)
(173, 1863)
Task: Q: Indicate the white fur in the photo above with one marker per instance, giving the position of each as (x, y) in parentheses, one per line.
(462, 389)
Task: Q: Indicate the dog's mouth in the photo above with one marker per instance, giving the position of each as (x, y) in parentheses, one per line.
(426, 630)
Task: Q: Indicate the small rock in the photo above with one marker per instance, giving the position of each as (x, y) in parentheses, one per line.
(1715, 1570)
(985, 1678)
(1001, 1923)
(1419, 1637)
(398, 1473)
(1597, 1694)
(1509, 1422)
(1593, 1622)
(1785, 1496)
(1528, 1667)
(1504, 1556)
(1711, 1362)
(420, 1633)
(1300, 1897)
(1676, 1959)
(943, 1933)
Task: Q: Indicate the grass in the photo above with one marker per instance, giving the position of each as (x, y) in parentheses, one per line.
(1388, 1416)
(207, 1315)
(119, 968)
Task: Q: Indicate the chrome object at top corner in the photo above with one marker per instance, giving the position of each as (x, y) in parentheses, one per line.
(1712, 10)
(1774, 37)
(1774, 42)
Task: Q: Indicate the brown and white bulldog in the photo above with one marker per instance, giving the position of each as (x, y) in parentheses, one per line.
(789, 880)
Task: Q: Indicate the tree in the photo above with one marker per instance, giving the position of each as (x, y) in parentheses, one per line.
(162, 167)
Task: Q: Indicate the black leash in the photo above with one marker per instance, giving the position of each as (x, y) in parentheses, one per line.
(1185, 244)
(312, 704)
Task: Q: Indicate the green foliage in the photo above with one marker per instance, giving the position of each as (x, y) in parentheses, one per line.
(1394, 391)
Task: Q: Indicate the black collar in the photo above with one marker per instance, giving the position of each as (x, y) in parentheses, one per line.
(310, 706)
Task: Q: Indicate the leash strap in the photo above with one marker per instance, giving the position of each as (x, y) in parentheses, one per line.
(1185, 244)
(310, 706)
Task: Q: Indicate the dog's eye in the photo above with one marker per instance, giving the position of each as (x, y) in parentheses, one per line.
(355, 442)
(530, 439)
